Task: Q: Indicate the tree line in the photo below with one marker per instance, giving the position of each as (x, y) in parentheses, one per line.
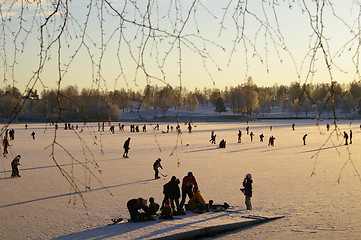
(72, 104)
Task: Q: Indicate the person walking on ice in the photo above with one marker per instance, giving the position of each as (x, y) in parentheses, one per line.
(304, 139)
(6, 144)
(251, 135)
(126, 148)
(157, 165)
(350, 136)
(247, 190)
(213, 138)
(14, 165)
(239, 136)
(345, 136)
(271, 141)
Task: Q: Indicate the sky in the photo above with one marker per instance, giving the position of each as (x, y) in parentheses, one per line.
(193, 44)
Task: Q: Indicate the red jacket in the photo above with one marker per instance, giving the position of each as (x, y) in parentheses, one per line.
(189, 181)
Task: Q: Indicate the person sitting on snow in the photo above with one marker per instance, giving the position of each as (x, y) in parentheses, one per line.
(196, 203)
(167, 211)
(153, 207)
(222, 144)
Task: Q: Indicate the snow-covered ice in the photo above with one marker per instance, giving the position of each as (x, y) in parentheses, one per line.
(40, 204)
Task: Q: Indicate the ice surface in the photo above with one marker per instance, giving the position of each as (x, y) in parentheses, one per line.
(41, 204)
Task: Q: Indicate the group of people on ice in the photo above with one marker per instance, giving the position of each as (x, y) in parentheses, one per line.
(175, 197)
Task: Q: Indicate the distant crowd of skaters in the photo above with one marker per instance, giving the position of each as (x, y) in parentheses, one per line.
(10, 135)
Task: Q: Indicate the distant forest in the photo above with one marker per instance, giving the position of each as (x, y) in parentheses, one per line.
(73, 104)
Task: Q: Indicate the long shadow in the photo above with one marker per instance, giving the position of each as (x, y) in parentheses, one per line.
(73, 193)
(320, 149)
(203, 150)
(177, 226)
(270, 148)
(61, 165)
(120, 229)
(246, 149)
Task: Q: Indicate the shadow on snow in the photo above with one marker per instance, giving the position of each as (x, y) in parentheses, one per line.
(73, 193)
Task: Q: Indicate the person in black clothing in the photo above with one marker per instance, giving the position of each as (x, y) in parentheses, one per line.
(14, 165)
(189, 186)
(134, 205)
(213, 138)
(157, 165)
(350, 136)
(345, 136)
(172, 193)
(126, 148)
(251, 135)
(239, 136)
(247, 190)
(33, 135)
(261, 137)
(304, 139)
(6, 144)
(222, 144)
(153, 206)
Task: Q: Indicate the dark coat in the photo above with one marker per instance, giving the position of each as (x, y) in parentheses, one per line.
(247, 184)
(126, 144)
(172, 190)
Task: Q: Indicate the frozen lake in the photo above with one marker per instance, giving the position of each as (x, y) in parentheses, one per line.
(40, 204)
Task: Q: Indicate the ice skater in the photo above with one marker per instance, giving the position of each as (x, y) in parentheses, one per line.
(213, 138)
(6, 144)
(126, 148)
(345, 136)
(304, 139)
(251, 135)
(239, 136)
(271, 141)
(350, 136)
(157, 165)
(14, 165)
(261, 137)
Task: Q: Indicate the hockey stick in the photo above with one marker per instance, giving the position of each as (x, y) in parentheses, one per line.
(163, 174)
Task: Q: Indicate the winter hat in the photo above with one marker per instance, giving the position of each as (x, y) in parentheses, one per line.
(190, 174)
(249, 175)
(17, 157)
(144, 201)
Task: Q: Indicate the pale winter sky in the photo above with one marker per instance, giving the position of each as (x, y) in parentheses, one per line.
(120, 52)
